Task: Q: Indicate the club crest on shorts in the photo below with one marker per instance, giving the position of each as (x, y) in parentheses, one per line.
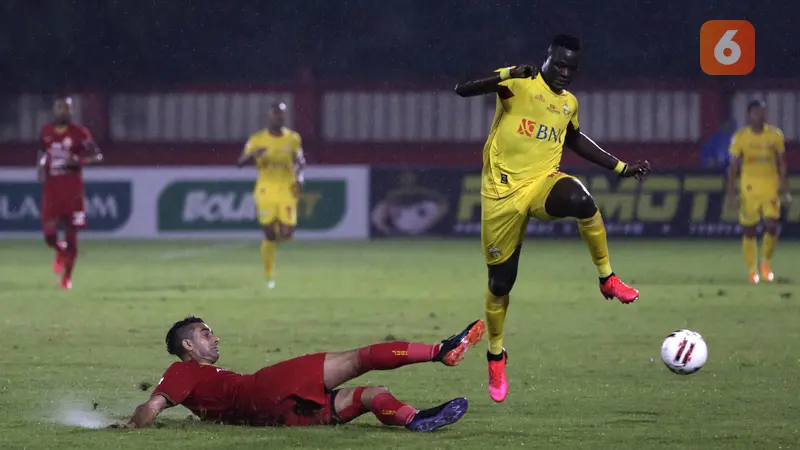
(495, 252)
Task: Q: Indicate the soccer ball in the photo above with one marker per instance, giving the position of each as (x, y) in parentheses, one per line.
(684, 352)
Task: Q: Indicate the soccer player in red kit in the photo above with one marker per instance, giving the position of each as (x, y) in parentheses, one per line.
(66, 148)
(302, 391)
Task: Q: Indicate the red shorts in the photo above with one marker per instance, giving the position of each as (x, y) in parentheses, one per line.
(64, 207)
(292, 393)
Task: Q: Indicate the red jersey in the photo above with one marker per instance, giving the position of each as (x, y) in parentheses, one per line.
(211, 392)
(288, 393)
(61, 143)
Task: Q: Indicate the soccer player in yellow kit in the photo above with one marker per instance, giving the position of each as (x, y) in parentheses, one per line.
(278, 154)
(534, 118)
(757, 154)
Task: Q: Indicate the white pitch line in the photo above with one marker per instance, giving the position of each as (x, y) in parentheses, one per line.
(189, 253)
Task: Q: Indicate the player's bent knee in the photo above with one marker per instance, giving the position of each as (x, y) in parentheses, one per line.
(569, 198)
(503, 276)
(585, 208)
(371, 392)
(771, 227)
(269, 232)
(287, 231)
(500, 284)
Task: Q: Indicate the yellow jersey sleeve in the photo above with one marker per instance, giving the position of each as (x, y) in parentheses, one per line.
(573, 120)
(298, 142)
(252, 144)
(780, 141)
(736, 147)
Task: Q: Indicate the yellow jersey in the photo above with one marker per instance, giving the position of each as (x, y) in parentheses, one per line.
(759, 155)
(276, 166)
(527, 134)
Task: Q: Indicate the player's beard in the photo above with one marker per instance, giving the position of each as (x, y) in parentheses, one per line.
(62, 121)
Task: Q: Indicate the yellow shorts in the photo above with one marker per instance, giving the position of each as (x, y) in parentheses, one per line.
(271, 209)
(504, 221)
(753, 206)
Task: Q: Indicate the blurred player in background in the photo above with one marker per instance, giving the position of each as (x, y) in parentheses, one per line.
(65, 149)
(535, 117)
(758, 162)
(302, 391)
(278, 155)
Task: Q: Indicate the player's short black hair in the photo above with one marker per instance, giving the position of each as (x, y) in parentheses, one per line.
(566, 41)
(755, 104)
(178, 333)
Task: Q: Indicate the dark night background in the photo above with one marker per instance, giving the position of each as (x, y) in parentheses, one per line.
(47, 44)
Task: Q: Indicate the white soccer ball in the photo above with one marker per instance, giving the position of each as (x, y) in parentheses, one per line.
(684, 352)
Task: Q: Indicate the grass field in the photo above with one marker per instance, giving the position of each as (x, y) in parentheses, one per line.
(584, 373)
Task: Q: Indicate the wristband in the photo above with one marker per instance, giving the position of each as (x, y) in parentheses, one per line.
(505, 73)
(620, 168)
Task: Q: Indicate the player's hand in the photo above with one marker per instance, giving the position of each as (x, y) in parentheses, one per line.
(787, 197)
(637, 170)
(297, 189)
(524, 71)
(73, 161)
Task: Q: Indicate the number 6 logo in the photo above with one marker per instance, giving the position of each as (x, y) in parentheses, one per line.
(727, 47)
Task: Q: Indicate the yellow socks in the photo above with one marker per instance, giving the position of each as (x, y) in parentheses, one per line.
(767, 247)
(750, 248)
(593, 231)
(268, 257)
(496, 308)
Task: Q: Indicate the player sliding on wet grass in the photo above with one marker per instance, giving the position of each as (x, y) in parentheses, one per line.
(535, 117)
(301, 391)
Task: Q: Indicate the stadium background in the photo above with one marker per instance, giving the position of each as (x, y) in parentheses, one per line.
(393, 151)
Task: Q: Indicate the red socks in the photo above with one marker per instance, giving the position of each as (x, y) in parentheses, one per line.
(71, 252)
(391, 411)
(391, 355)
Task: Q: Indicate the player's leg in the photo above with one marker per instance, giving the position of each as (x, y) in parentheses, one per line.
(749, 217)
(269, 245)
(287, 220)
(50, 231)
(772, 212)
(51, 216)
(340, 367)
(77, 221)
(568, 197)
(350, 403)
(268, 218)
(70, 255)
(502, 232)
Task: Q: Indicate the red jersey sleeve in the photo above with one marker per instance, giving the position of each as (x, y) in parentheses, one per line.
(87, 135)
(178, 382)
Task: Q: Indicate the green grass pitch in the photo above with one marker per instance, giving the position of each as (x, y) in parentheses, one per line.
(584, 372)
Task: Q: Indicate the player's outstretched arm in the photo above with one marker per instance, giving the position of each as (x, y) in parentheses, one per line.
(590, 151)
(146, 413)
(491, 84)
